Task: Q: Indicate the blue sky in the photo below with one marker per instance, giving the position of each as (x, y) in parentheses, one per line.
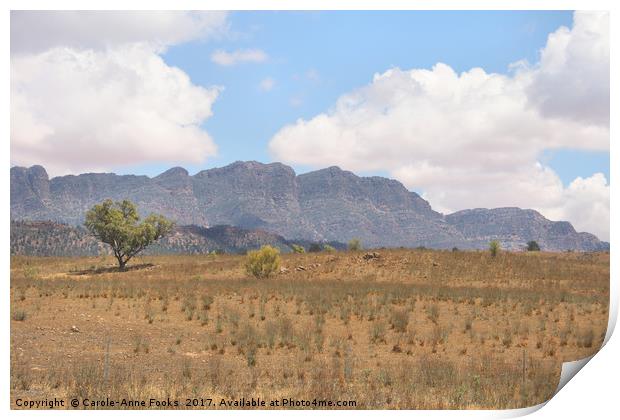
(314, 57)
(467, 108)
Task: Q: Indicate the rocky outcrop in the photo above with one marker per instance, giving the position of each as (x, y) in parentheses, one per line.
(513, 227)
(325, 205)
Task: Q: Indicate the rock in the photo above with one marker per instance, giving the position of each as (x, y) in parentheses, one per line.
(75, 329)
(300, 268)
(371, 256)
(284, 270)
(330, 204)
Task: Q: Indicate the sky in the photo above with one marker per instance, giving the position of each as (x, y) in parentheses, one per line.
(467, 108)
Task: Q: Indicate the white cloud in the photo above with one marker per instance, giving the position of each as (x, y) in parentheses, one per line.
(79, 104)
(38, 31)
(473, 140)
(266, 84)
(572, 79)
(224, 58)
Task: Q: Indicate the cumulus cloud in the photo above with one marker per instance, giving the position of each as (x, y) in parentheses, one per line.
(266, 84)
(225, 58)
(86, 106)
(38, 31)
(473, 139)
(572, 79)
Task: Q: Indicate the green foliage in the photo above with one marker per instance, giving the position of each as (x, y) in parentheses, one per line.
(355, 244)
(494, 248)
(264, 262)
(328, 248)
(118, 225)
(533, 246)
(314, 247)
(298, 249)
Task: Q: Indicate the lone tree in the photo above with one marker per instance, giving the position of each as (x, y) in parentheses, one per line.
(494, 248)
(118, 225)
(533, 246)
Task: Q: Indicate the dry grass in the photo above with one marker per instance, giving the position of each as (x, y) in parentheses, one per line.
(411, 329)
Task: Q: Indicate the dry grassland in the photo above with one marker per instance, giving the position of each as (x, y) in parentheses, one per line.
(410, 329)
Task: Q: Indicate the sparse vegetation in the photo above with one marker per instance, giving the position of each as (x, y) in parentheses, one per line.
(329, 248)
(411, 329)
(314, 247)
(494, 248)
(532, 246)
(355, 244)
(263, 262)
(18, 315)
(298, 249)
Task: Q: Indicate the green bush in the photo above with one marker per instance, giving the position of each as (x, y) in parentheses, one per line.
(264, 262)
(494, 248)
(298, 249)
(314, 247)
(533, 246)
(328, 248)
(355, 244)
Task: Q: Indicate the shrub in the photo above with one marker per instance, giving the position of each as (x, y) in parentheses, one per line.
(207, 301)
(399, 319)
(298, 249)
(377, 332)
(328, 248)
(355, 244)
(433, 313)
(264, 262)
(533, 246)
(494, 248)
(314, 247)
(585, 338)
(19, 315)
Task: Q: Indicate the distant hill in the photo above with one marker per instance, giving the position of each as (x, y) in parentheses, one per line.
(56, 239)
(325, 205)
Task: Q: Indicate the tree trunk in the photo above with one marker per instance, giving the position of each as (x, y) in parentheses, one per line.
(121, 262)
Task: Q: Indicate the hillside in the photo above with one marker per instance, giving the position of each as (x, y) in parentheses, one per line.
(56, 239)
(325, 205)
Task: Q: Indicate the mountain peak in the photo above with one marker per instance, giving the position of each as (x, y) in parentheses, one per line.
(176, 172)
(329, 204)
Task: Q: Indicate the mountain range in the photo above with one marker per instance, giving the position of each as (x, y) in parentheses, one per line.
(327, 205)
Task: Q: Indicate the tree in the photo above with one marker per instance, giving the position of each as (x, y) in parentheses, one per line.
(118, 225)
(314, 247)
(263, 262)
(533, 246)
(298, 249)
(355, 244)
(494, 248)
